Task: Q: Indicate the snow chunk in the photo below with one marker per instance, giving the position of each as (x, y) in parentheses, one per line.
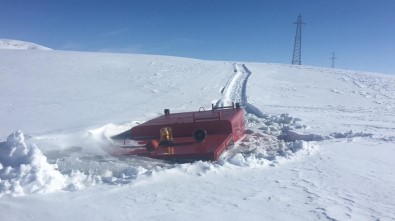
(350, 134)
(238, 159)
(24, 169)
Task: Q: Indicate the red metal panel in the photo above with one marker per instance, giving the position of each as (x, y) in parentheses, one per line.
(223, 127)
(185, 147)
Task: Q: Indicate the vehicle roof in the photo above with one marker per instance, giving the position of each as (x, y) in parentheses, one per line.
(188, 117)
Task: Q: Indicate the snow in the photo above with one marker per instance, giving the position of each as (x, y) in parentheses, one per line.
(318, 146)
(24, 169)
(22, 45)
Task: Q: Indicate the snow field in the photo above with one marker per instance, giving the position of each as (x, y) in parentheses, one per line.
(319, 142)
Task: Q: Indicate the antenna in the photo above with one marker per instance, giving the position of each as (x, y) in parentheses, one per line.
(297, 55)
(333, 59)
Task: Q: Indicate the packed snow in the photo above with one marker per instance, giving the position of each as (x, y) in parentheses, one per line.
(318, 145)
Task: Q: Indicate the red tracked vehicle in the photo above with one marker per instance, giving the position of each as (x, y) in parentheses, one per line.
(199, 135)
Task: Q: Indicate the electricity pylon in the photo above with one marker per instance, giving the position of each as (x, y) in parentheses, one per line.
(333, 59)
(297, 55)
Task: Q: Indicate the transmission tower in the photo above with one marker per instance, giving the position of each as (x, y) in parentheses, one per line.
(297, 56)
(333, 59)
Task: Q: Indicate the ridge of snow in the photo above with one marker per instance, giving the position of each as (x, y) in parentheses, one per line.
(21, 45)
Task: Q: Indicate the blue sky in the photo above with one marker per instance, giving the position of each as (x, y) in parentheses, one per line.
(360, 32)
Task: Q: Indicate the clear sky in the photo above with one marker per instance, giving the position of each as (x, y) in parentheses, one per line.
(360, 32)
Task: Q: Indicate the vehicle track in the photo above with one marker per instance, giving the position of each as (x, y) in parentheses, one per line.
(235, 90)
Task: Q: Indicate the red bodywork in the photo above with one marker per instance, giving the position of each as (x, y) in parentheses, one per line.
(222, 126)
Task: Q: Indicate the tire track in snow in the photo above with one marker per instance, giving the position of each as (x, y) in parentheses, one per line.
(235, 90)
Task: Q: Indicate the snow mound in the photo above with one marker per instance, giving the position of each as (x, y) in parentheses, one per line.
(22, 45)
(24, 169)
(264, 143)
